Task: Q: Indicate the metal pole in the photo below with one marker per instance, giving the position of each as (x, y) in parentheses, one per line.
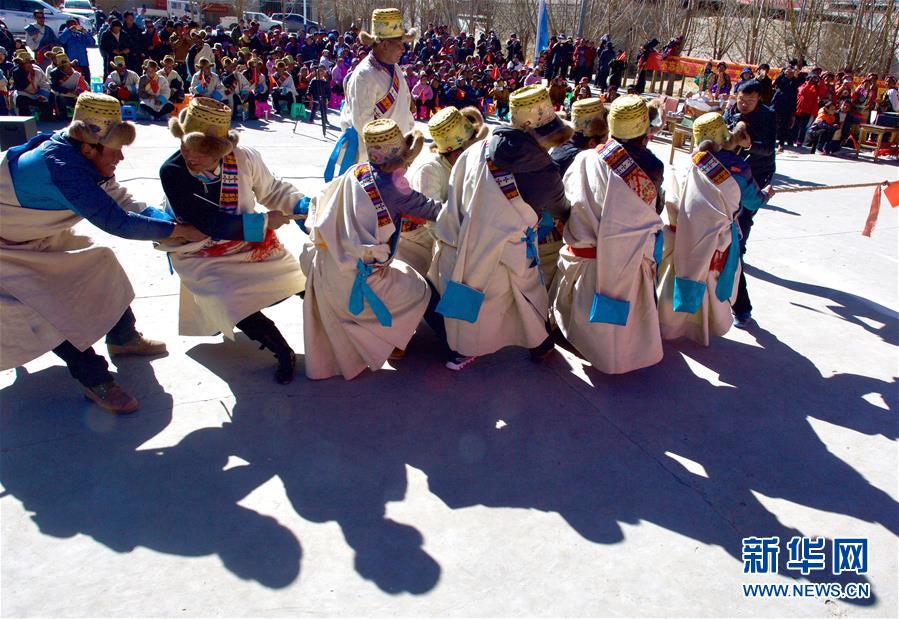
(305, 19)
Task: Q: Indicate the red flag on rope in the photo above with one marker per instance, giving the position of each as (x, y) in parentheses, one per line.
(872, 213)
(892, 193)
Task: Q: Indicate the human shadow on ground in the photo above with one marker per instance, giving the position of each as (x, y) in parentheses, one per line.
(846, 305)
(325, 440)
(599, 452)
(782, 181)
(82, 471)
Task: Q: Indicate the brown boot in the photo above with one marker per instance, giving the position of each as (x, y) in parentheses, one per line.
(112, 397)
(139, 345)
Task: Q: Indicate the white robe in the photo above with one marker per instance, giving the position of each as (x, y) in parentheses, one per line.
(480, 243)
(429, 175)
(367, 84)
(344, 229)
(149, 98)
(57, 285)
(702, 230)
(217, 292)
(608, 215)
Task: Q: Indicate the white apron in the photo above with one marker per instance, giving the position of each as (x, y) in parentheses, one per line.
(604, 299)
(56, 285)
(223, 282)
(482, 244)
(360, 302)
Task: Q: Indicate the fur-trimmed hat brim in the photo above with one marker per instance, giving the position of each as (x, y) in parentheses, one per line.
(370, 40)
(122, 134)
(414, 143)
(197, 141)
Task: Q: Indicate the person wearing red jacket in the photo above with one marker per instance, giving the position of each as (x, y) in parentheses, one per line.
(806, 107)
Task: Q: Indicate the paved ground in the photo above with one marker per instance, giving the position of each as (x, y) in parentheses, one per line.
(507, 489)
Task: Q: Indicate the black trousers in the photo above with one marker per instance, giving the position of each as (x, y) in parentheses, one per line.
(164, 111)
(435, 321)
(89, 368)
(320, 104)
(742, 305)
(277, 98)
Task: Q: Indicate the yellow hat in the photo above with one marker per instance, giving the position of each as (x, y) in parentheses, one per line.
(207, 116)
(205, 126)
(386, 24)
(61, 59)
(710, 126)
(97, 119)
(118, 60)
(450, 129)
(628, 117)
(386, 144)
(23, 55)
(585, 112)
(531, 107)
(168, 60)
(58, 49)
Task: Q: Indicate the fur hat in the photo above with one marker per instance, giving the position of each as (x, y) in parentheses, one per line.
(588, 116)
(532, 110)
(628, 117)
(205, 126)
(386, 144)
(22, 56)
(97, 119)
(387, 24)
(454, 130)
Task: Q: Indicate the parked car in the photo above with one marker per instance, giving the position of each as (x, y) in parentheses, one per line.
(266, 23)
(19, 13)
(294, 22)
(81, 8)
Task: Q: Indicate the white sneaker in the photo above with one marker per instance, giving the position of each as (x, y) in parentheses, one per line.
(459, 362)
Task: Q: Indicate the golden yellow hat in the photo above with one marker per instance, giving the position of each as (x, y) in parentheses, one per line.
(387, 24)
(383, 140)
(207, 116)
(97, 119)
(61, 59)
(450, 129)
(710, 126)
(118, 60)
(628, 117)
(531, 107)
(584, 112)
(23, 55)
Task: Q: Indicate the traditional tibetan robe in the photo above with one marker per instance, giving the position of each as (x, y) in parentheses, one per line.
(360, 301)
(224, 280)
(154, 93)
(701, 267)
(373, 91)
(207, 85)
(123, 83)
(603, 298)
(487, 266)
(429, 174)
(58, 285)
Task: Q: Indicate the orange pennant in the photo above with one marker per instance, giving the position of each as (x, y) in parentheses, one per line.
(892, 193)
(872, 213)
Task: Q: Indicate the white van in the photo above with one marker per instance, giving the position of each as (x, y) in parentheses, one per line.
(17, 14)
(266, 23)
(179, 8)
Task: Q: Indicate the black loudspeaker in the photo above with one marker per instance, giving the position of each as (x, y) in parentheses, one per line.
(15, 130)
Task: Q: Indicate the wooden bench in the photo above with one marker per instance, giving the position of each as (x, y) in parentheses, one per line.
(681, 132)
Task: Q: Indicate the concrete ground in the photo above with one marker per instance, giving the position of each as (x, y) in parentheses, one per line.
(508, 489)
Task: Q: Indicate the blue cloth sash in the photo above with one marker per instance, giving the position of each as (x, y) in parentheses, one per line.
(350, 139)
(725, 286)
(530, 239)
(362, 292)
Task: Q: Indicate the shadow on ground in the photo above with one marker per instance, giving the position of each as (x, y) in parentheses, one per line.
(559, 438)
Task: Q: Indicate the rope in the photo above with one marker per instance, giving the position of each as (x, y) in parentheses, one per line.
(854, 186)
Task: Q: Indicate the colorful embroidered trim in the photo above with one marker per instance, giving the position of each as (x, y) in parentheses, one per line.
(505, 180)
(622, 164)
(384, 105)
(365, 178)
(711, 167)
(228, 195)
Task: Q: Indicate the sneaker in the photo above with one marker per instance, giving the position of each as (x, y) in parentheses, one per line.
(112, 398)
(458, 362)
(139, 345)
(743, 321)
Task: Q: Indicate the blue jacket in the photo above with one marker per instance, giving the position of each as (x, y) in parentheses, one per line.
(49, 173)
(76, 44)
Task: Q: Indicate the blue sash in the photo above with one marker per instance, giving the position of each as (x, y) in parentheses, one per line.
(725, 286)
(350, 139)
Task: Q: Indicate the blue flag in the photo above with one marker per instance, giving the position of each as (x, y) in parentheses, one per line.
(542, 30)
